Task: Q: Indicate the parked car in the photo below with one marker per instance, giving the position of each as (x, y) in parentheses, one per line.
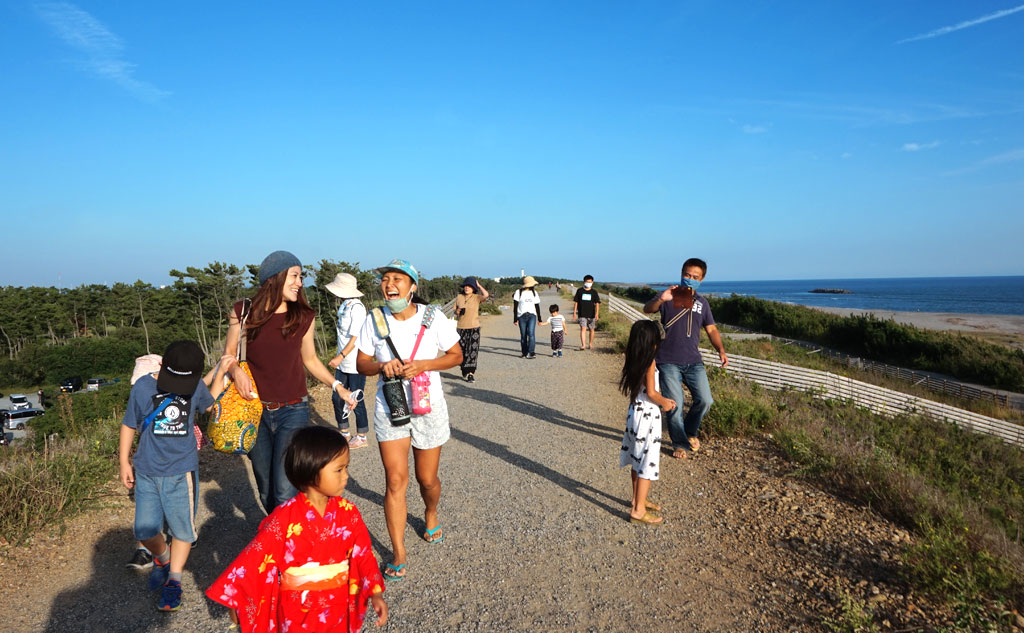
(71, 384)
(16, 420)
(94, 384)
(19, 401)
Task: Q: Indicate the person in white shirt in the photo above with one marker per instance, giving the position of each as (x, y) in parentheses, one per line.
(351, 314)
(526, 314)
(423, 349)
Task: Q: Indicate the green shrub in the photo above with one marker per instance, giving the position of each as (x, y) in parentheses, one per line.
(963, 357)
(77, 413)
(38, 489)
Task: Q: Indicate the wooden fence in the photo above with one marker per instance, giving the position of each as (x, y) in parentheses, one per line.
(829, 386)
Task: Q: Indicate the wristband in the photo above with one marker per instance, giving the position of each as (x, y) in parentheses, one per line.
(334, 385)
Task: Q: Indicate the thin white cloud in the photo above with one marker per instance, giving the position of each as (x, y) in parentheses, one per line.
(754, 129)
(963, 25)
(998, 159)
(102, 50)
(1005, 157)
(917, 147)
(845, 155)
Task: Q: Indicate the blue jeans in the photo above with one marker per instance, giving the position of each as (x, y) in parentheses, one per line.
(528, 332)
(350, 382)
(267, 454)
(170, 500)
(672, 378)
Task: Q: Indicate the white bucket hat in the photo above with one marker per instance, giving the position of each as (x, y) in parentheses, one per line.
(344, 286)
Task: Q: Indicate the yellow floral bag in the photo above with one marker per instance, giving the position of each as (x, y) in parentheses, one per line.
(236, 420)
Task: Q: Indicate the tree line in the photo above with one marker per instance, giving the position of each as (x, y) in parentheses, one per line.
(48, 334)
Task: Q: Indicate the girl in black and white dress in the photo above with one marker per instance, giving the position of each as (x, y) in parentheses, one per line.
(641, 443)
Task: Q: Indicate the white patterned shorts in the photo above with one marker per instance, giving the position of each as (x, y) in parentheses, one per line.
(427, 431)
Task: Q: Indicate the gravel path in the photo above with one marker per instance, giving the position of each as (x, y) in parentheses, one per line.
(534, 509)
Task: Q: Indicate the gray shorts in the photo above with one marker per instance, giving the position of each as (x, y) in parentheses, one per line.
(427, 431)
(588, 324)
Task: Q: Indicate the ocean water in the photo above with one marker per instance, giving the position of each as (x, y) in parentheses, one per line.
(977, 295)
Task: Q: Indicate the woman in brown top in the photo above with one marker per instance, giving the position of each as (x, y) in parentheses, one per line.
(467, 311)
(279, 346)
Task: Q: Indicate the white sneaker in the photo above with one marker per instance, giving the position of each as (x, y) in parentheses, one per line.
(358, 441)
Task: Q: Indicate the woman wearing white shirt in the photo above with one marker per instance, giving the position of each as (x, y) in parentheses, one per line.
(526, 313)
(351, 314)
(425, 433)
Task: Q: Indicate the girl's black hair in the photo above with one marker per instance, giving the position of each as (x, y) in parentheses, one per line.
(644, 341)
(312, 448)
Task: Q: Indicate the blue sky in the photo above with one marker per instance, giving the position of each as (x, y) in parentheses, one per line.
(777, 140)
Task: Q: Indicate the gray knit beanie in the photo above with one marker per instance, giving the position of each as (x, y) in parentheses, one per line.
(275, 263)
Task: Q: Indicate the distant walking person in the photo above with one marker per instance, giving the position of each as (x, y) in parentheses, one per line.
(525, 314)
(683, 314)
(351, 314)
(280, 350)
(641, 443)
(467, 313)
(586, 307)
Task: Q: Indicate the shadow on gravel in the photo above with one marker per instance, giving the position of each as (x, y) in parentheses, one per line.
(500, 351)
(353, 491)
(581, 490)
(234, 518)
(129, 606)
(534, 410)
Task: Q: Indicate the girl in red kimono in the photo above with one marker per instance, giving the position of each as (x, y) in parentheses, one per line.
(311, 566)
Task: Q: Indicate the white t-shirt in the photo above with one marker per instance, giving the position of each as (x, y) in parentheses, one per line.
(351, 314)
(437, 340)
(528, 300)
(557, 323)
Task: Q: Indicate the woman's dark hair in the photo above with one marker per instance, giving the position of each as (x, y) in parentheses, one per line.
(267, 298)
(312, 448)
(644, 341)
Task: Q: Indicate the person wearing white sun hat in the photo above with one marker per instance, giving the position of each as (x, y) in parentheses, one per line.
(351, 314)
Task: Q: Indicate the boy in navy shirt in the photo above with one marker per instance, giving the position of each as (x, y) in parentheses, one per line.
(166, 462)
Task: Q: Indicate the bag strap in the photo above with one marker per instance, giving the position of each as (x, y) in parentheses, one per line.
(157, 411)
(428, 320)
(673, 320)
(380, 323)
(419, 337)
(246, 310)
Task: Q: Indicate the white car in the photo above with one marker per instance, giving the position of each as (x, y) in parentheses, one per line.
(16, 420)
(19, 401)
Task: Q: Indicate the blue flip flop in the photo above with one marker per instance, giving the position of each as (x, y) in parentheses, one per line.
(391, 572)
(429, 537)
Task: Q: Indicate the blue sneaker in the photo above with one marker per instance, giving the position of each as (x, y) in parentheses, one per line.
(170, 596)
(158, 577)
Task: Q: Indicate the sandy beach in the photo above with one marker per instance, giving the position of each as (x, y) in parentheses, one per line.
(977, 323)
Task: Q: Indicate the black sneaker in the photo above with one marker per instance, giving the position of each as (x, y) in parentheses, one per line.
(141, 560)
(470, 378)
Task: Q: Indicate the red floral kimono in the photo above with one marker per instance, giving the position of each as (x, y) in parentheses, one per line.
(303, 572)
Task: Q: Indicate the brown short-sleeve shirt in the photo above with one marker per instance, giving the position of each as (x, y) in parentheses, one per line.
(471, 318)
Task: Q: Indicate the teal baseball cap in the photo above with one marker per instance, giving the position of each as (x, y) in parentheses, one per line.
(401, 266)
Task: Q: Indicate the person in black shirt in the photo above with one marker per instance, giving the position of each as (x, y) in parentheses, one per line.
(586, 307)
